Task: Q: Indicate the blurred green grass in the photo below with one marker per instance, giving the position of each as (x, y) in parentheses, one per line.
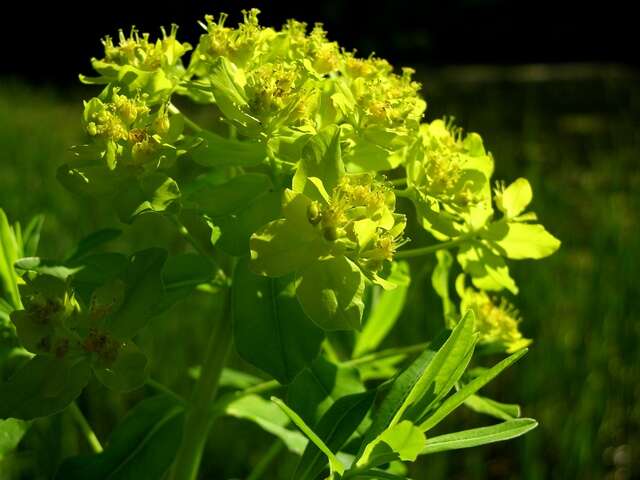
(574, 133)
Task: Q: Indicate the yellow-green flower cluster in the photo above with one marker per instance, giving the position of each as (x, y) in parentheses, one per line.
(450, 175)
(140, 52)
(497, 322)
(358, 217)
(127, 129)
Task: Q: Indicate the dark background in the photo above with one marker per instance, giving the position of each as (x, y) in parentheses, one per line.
(554, 90)
(49, 42)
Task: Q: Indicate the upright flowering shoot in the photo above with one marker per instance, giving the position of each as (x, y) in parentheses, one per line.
(279, 195)
(335, 233)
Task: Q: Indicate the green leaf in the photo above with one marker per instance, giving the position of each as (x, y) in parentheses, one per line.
(334, 428)
(402, 441)
(385, 312)
(515, 198)
(522, 240)
(319, 386)
(9, 252)
(270, 329)
(128, 372)
(335, 465)
(479, 436)
(93, 241)
(455, 400)
(217, 151)
(280, 248)
(46, 267)
(488, 271)
(330, 292)
(150, 194)
(42, 386)
(321, 158)
(440, 283)
(270, 418)
(181, 275)
(11, 432)
(444, 370)
(143, 445)
(143, 291)
(487, 406)
(231, 196)
(31, 236)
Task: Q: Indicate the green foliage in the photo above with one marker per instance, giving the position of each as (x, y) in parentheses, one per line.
(285, 198)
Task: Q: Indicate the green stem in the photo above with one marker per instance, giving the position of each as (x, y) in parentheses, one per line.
(390, 352)
(85, 428)
(418, 252)
(164, 389)
(398, 181)
(200, 416)
(258, 471)
(187, 121)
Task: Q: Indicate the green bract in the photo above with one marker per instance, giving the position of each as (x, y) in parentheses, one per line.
(283, 201)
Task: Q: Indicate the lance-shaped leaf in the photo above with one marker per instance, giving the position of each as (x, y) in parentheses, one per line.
(143, 291)
(335, 465)
(319, 386)
(487, 406)
(42, 386)
(330, 292)
(440, 283)
(334, 428)
(9, 253)
(385, 312)
(425, 379)
(402, 441)
(455, 400)
(270, 418)
(479, 436)
(270, 329)
(143, 445)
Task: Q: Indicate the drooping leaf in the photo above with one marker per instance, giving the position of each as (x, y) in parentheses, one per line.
(335, 465)
(319, 386)
(334, 428)
(455, 400)
(42, 386)
(143, 445)
(385, 311)
(46, 267)
(330, 292)
(270, 329)
(488, 271)
(479, 436)
(270, 418)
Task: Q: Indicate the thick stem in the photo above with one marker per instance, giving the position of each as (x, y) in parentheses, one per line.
(200, 415)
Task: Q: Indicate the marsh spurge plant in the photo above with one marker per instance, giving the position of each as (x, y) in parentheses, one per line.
(293, 191)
